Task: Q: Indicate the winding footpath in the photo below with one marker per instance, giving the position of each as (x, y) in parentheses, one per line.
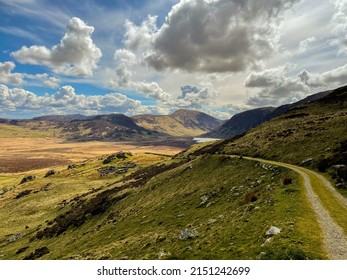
(335, 238)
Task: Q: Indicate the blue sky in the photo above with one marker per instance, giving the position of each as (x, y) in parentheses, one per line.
(135, 57)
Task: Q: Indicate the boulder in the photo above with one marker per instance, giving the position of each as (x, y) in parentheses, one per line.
(341, 171)
(72, 166)
(119, 155)
(307, 161)
(38, 253)
(273, 231)
(104, 171)
(23, 193)
(188, 234)
(27, 179)
(50, 173)
(204, 199)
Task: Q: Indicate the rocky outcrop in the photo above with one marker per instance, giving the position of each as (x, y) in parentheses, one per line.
(28, 179)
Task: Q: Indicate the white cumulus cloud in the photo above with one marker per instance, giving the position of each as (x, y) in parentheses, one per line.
(306, 44)
(67, 101)
(274, 87)
(340, 25)
(333, 78)
(152, 90)
(210, 36)
(76, 55)
(6, 75)
(51, 82)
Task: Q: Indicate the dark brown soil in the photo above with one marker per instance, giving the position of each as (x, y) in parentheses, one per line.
(19, 164)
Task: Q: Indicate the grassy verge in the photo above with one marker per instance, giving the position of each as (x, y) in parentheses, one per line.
(329, 201)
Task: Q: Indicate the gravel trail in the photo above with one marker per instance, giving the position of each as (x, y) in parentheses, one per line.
(335, 240)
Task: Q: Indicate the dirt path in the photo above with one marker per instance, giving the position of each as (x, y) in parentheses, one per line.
(335, 240)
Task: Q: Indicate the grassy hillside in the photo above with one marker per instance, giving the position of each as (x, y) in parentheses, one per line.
(171, 210)
(244, 121)
(313, 135)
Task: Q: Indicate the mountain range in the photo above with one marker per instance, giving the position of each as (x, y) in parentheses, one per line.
(182, 123)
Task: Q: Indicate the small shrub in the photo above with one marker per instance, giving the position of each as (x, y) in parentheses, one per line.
(250, 196)
(286, 180)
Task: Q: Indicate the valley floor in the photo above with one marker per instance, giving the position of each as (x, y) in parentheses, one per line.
(24, 154)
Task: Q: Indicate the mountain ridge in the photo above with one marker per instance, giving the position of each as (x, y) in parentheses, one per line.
(254, 117)
(180, 123)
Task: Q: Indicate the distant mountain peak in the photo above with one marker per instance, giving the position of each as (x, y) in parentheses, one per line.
(182, 122)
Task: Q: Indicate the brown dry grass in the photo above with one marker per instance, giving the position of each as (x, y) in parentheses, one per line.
(23, 154)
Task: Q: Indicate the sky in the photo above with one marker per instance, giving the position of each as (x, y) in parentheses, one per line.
(154, 57)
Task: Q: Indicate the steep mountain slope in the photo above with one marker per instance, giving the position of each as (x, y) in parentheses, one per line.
(180, 123)
(241, 123)
(244, 121)
(313, 134)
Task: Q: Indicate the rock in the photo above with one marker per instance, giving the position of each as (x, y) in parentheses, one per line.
(269, 240)
(119, 155)
(14, 237)
(23, 193)
(188, 234)
(160, 239)
(50, 173)
(45, 188)
(204, 199)
(63, 204)
(72, 166)
(211, 221)
(21, 250)
(307, 161)
(128, 164)
(163, 254)
(104, 171)
(180, 215)
(341, 171)
(27, 179)
(38, 253)
(273, 231)
(268, 167)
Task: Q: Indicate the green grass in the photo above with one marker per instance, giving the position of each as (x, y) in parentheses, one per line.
(329, 201)
(307, 137)
(146, 224)
(315, 131)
